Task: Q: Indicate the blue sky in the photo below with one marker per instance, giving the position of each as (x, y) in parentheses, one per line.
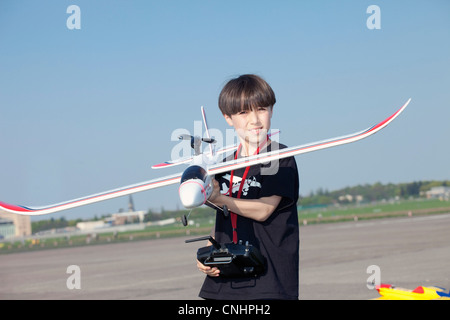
(88, 110)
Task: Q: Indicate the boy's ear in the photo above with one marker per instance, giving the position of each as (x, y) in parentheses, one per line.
(228, 119)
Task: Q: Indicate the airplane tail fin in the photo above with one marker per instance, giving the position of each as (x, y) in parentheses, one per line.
(211, 149)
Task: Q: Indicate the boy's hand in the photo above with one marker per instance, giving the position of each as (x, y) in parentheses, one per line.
(212, 272)
(216, 191)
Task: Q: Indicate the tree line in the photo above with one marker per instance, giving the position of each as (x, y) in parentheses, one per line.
(371, 192)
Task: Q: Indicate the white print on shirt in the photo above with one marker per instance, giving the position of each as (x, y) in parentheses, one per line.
(249, 182)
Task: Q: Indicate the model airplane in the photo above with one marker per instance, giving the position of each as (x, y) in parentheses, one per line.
(195, 182)
(390, 292)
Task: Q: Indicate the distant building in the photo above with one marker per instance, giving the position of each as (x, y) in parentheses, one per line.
(120, 218)
(14, 225)
(130, 204)
(116, 219)
(441, 192)
(7, 229)
(131, 216)
(350, 198)
(90, 225)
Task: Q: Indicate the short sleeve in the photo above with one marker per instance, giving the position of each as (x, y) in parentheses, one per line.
(282, 180)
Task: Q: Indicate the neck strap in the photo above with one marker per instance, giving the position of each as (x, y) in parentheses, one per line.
(233, 215)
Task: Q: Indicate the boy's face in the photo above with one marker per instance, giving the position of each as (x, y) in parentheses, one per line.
(251, 125)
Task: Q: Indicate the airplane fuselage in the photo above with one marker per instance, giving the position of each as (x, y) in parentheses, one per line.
(195, 187)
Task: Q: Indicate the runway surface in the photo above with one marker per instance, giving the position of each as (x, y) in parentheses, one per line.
(334, 261)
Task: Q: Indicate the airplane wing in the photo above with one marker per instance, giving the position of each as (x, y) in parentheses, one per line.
(143, 186)
(293, 151)
(213, 169)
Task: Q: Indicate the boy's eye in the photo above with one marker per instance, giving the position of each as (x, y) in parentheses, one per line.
(260, 109)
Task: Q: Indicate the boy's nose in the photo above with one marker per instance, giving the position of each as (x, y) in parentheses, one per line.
(254, 117)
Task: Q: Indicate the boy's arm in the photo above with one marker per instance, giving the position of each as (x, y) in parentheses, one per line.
(256, 209)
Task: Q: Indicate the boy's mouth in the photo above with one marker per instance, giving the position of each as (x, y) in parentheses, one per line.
(255, 131)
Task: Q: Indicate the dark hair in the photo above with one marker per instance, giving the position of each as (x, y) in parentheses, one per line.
(245, 92)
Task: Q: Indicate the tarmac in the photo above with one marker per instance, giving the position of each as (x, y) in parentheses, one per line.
(338, 261)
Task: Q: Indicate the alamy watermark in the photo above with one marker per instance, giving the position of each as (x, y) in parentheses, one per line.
(74, 280)
(74, 20)
(374, 20)
(375, 276)
(183, 149)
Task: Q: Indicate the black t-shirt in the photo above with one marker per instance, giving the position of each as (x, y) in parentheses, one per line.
(277, 238)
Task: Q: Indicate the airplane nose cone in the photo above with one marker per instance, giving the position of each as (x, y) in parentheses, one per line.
(192, 193)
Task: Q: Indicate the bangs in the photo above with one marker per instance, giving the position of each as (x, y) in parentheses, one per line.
(245, 93)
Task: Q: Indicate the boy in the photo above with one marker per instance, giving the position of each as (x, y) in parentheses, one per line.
(266, 210)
